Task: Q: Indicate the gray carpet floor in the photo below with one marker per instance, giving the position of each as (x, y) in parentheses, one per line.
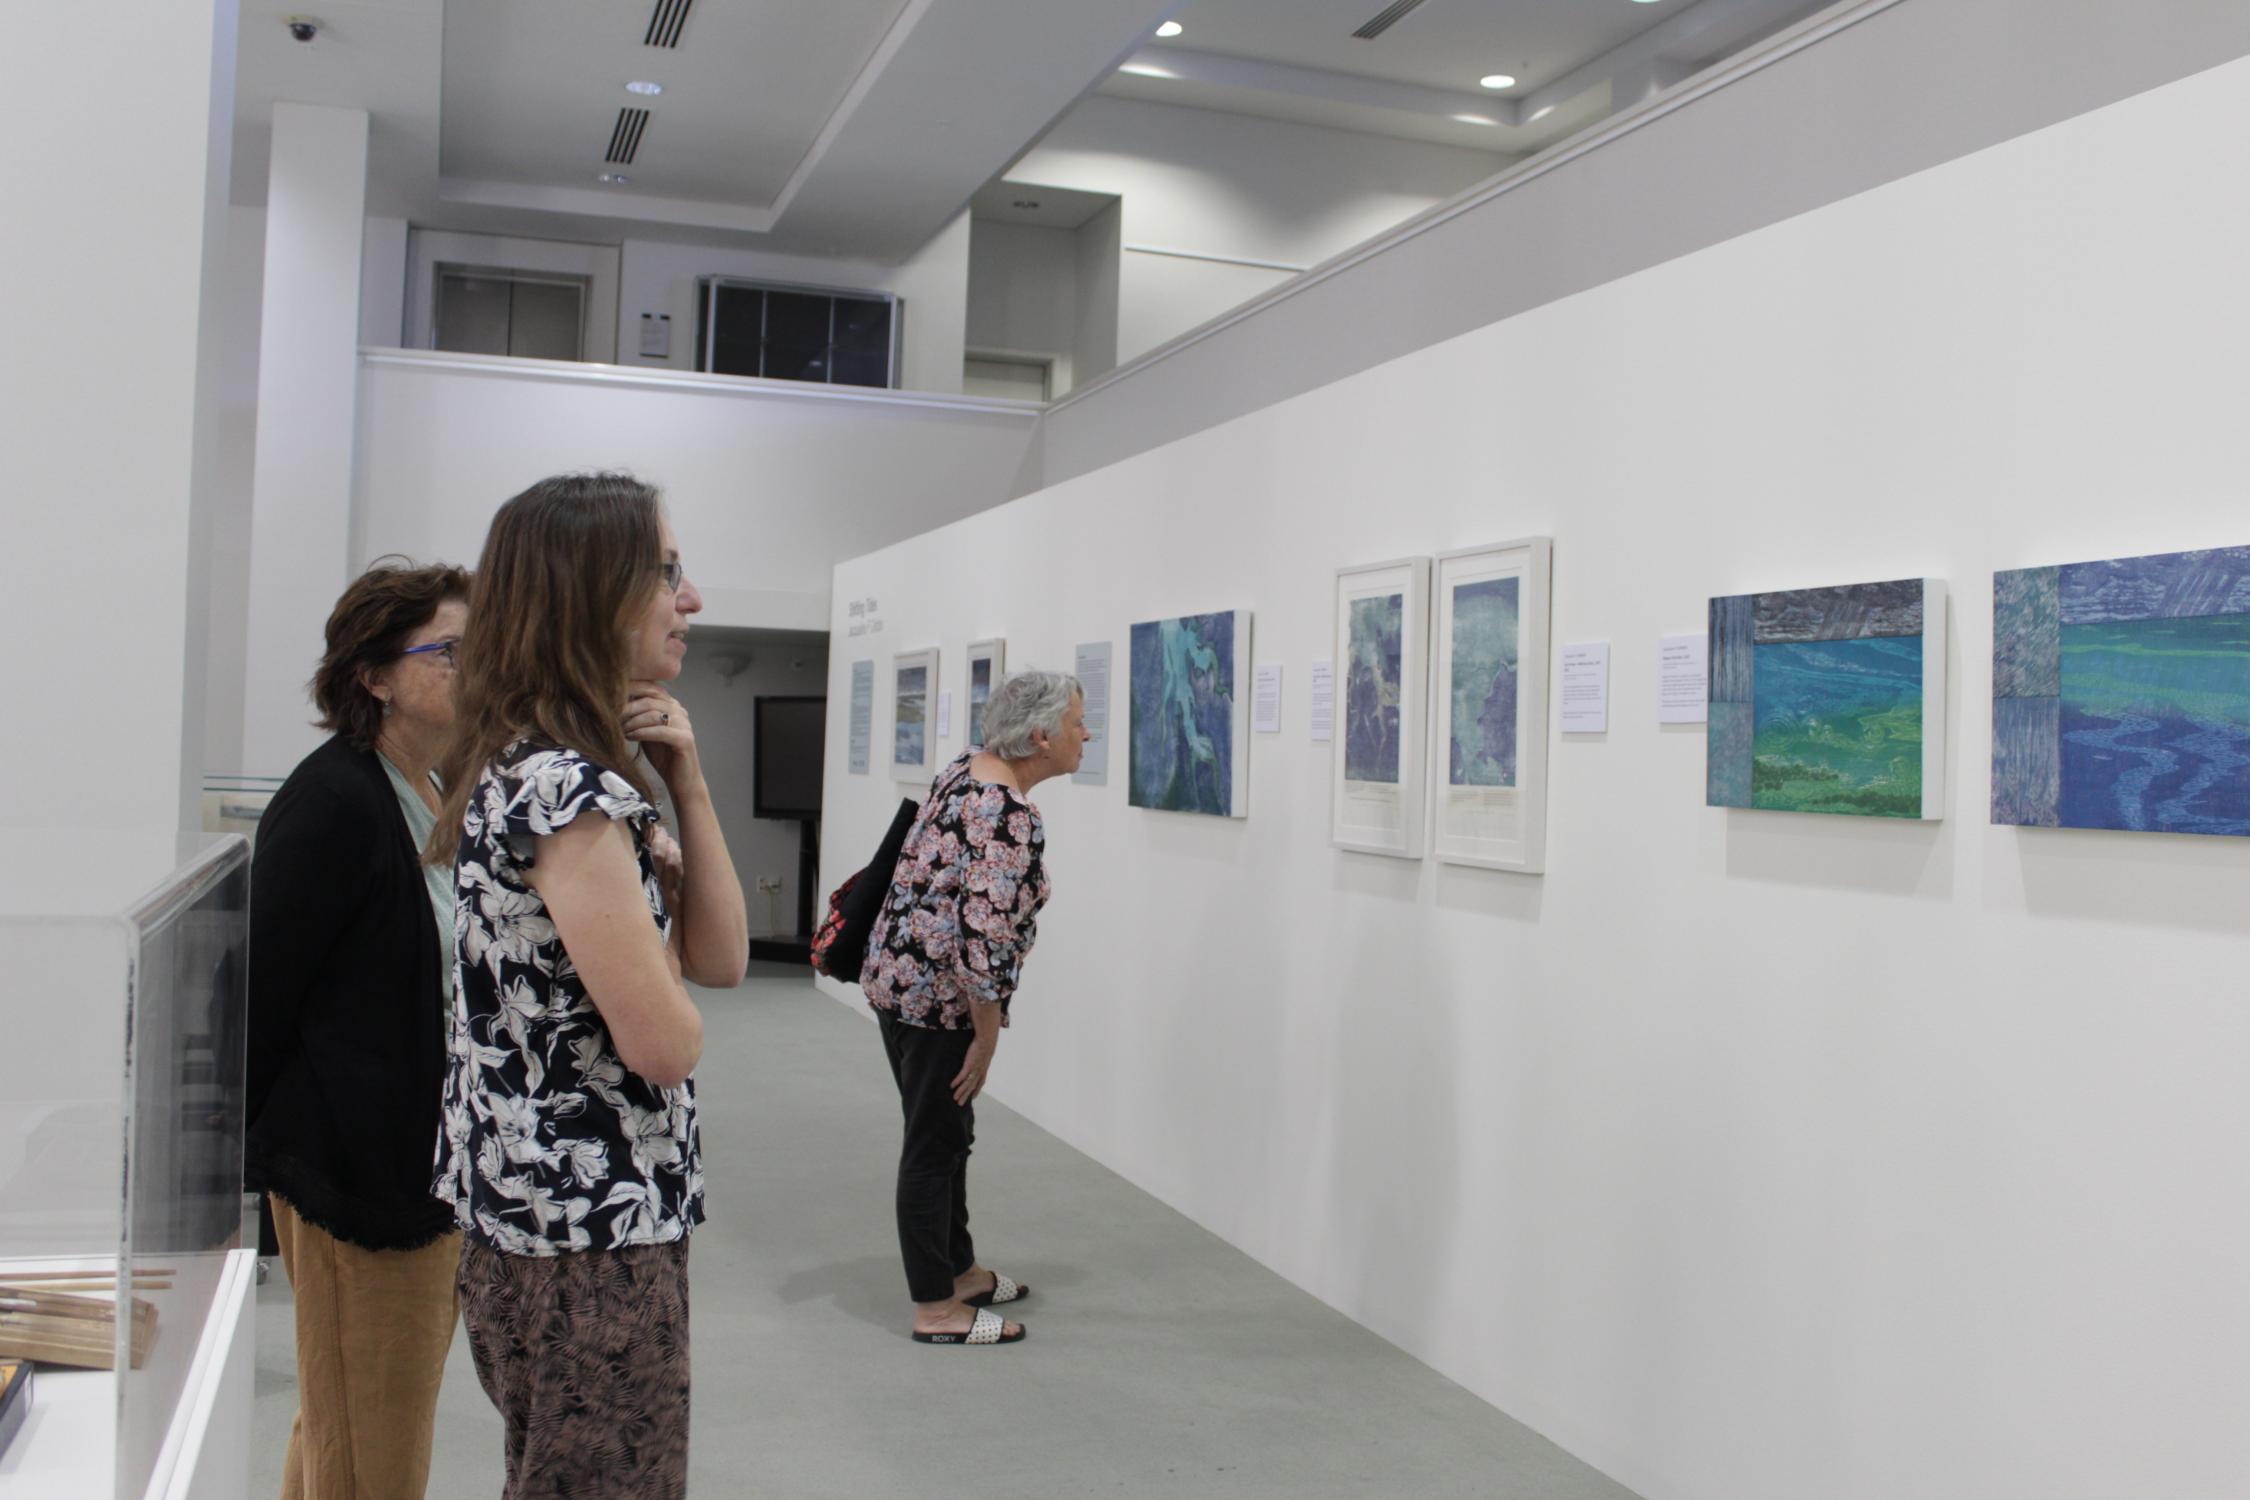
(1161, 1362)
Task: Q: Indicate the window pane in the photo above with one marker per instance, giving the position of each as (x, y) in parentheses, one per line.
(472, 315)
(543, 321)
(863, 342)
(739, 331)
(797, 335)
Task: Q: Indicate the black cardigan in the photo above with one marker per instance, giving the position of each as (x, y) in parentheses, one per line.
(347, 1044)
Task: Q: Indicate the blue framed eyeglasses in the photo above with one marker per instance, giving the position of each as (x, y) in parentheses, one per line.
(444, 650)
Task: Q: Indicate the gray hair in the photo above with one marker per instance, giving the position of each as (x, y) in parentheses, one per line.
(1027, 703)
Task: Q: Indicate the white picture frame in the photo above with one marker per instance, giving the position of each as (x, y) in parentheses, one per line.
(914, 703)
(1382, 809)
(992, 656)
(1488, 798)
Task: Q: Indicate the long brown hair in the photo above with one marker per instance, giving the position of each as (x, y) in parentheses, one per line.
(567, 565)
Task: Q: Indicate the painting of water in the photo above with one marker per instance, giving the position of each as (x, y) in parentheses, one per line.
(910, 746)
(1837, 727)
(1186, 740)
(984, 675)
(1374, 688)
(2121, 694)
(1828, 700)
(1484, 683)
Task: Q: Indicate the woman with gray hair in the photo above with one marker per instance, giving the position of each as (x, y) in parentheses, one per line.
(942, 963)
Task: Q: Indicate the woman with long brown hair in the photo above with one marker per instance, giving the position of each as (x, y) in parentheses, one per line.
(570, 1152)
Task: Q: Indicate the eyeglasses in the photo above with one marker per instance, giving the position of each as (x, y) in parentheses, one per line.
(444, 650)
(673, 576)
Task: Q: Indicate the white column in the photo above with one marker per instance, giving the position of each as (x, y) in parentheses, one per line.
(308, 371)
(106, 407)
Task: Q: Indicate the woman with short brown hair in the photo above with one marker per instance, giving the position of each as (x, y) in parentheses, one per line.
(570, 1148)
(351, 970)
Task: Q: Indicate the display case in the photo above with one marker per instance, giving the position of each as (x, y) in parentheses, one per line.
(122, 991)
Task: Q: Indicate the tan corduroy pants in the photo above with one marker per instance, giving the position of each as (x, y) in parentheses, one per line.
(372, 1330)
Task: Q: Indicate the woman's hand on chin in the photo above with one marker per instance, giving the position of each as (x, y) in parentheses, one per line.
(659, 724)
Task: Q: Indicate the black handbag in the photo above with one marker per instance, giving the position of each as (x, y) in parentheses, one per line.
(839, 949)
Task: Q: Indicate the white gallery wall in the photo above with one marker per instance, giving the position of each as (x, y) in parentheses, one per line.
(1749, 1156)
(767, 485)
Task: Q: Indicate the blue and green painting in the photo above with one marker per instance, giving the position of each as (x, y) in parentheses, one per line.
(1483, 686)
(910, 738)
(1181, 749)
(1818, 700)
(1374, 684)
(2121, 694)
(980, 693)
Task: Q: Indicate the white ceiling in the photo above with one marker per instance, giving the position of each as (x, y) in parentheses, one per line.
(1574, 61)
(859, 127)
(854, 127)
(533, 89)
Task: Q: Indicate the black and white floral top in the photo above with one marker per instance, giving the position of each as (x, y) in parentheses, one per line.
(551, 1144)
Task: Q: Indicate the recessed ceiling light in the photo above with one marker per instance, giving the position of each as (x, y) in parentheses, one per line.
(1497, 81)
(611, 177)
(1170, 28)
(1476, 119)
(1143, 70)
(642, 86)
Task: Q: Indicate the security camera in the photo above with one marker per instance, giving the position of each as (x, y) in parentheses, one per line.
(303, 28)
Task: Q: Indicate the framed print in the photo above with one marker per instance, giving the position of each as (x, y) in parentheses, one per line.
(2121, 694)
(1188, 745)
(987, 665)
(914, 715)
(1488, 736)
(1829, 700)
(1376, 802)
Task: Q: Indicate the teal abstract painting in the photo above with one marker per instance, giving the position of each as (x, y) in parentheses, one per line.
(1186, 745)
(1828, 700)
(2121, 694)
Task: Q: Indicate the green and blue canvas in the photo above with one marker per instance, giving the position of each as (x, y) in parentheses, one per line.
(2121, 694)
(1825, 700)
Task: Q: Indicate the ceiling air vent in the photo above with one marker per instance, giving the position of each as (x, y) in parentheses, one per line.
(625, 140)
(1389, 16)
(670, 15)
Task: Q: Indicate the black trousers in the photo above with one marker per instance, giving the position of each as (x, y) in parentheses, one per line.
(933, 1159)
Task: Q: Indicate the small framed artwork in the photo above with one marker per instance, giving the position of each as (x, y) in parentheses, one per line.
(914, 676)
(1488, 737)
(1376, 802)
(987, 665)
(1829, 700)
(1188, 742)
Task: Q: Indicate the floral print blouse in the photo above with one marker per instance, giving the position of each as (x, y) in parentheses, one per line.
(963, 905)
(551, 1144)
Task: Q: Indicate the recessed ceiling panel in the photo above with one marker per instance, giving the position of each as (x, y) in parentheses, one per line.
(533, 89)
(1444, 44)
